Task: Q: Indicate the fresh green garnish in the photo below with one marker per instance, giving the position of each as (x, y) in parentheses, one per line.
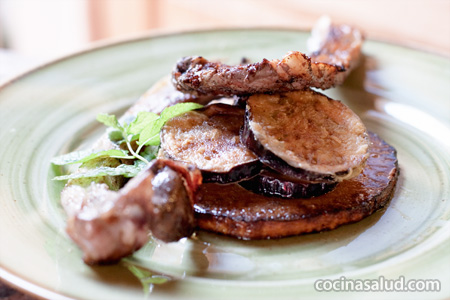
(144, 130)
(123, 169)
(143, 120)
(85, 156)
(150, 133)
(147, 278)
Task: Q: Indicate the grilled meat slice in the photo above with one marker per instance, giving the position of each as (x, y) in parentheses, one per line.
(109, 225)
(161, 95)
(328, 66)
(234, 211)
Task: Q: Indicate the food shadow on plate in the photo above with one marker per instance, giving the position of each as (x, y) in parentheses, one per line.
(115, 274)
(211, 255)
(359, 89)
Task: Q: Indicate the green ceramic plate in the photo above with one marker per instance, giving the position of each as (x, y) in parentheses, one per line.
(400, 93)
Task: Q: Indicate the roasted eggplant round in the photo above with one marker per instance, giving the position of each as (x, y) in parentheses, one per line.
(305, 135)
(209, 139)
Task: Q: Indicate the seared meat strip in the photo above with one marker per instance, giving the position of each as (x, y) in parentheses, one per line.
(234, 211)
(109, 225)
(326, 68)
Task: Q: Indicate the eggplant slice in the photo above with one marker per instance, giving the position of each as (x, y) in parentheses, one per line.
(271, 183)
(234, 211)
(305, 135)
(209, 139)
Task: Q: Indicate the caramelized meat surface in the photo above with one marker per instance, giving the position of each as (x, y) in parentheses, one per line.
(328, 66)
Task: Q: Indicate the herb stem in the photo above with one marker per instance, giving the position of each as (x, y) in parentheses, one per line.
(140, 148)
(123, 157)
(134, 153)
(143, 144)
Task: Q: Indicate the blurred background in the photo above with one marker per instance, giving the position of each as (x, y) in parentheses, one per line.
(32, 31)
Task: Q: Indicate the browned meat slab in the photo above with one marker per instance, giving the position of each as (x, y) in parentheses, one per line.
(234, 211)
(327, 67)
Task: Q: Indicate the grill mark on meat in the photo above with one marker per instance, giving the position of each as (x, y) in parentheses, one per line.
(325, 68)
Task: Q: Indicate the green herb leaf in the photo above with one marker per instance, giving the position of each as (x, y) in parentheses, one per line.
(124, 170)
(147, 278)
(145, 128)
(84, 156)
(110, 121)
(150, 152)
(115, 136)
(178, 109)
(150, 134)
(142, 120)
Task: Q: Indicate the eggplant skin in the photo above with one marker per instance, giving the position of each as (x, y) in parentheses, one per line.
(269, 159)
(240, 101)
(270, 184)
(236, 174)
